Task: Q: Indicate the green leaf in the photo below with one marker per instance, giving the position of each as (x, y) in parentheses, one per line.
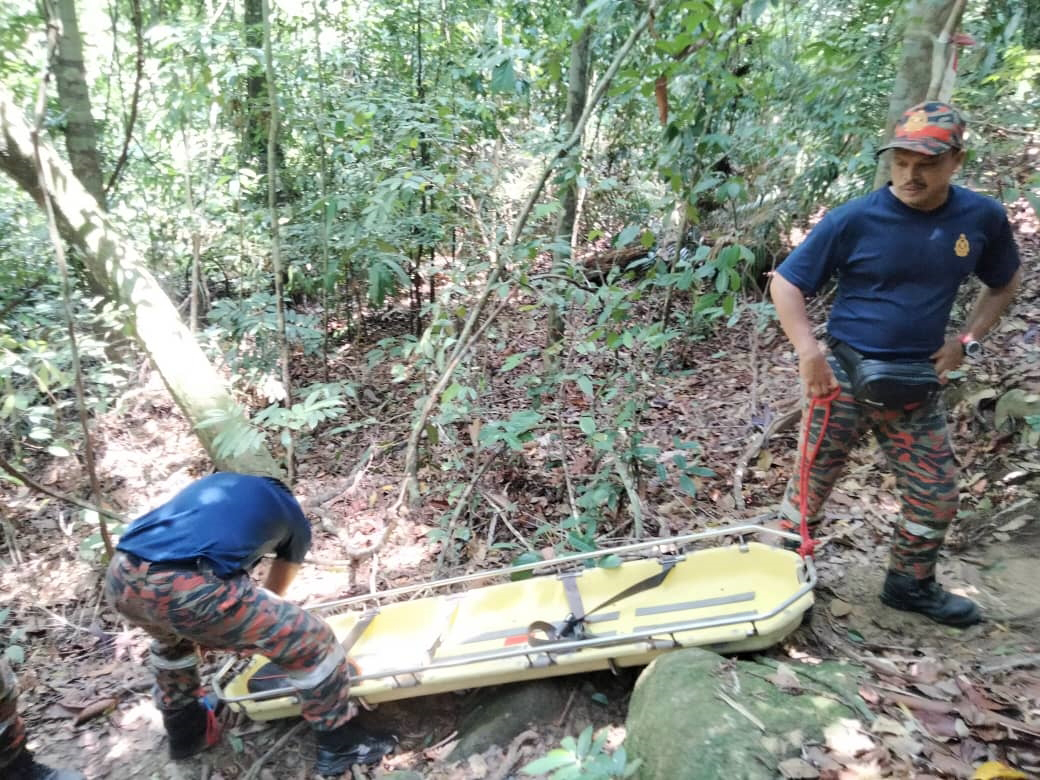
(600, 698)
(584, 742)
(585, 385)
(1034, 201)
(58, 451)
(513, 361)
(687, 485)
(550, 762)
(15, 654)
(522, 560)
(503, 78)
(587, 425)
(609, 561)
(451, 392)
(626, 236)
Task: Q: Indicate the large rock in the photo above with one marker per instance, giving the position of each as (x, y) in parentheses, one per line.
(504, 711)
(682, 728)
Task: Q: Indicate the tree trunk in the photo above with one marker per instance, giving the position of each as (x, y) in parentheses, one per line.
(276, 241)
(111, 258)
(80, 130)
(577, 96)
(926, 19)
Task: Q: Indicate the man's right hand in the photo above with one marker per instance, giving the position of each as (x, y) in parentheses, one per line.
(817, 376)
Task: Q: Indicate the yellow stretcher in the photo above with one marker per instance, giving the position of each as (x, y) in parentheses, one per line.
(581, 613)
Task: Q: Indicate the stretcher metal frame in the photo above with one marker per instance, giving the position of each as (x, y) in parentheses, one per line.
(544, 654)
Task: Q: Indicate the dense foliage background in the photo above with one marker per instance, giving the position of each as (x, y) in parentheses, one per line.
(409, 149)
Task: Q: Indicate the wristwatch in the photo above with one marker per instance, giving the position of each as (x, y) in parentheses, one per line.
(971, 347)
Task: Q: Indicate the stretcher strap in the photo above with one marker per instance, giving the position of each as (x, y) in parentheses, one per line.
(542, 632)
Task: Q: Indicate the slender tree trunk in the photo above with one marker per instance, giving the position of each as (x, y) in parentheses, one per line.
(577, 96)
(113, 261)
(195, 288)
(926, 19)
(425, 200)
(323, 177)
(255, 142)
(276, 247)
(80, 130)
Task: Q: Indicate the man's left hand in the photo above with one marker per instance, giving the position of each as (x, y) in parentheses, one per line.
(948, 357)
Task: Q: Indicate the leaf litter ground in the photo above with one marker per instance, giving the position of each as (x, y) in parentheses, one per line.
(945, 701)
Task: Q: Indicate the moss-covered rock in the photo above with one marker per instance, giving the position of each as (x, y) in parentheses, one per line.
(681, 726)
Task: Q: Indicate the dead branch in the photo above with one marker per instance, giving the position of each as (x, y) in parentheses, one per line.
(463, 502)
(513, 755)
(258, 765)
(779, 423)
(33, 485)
(47, 189)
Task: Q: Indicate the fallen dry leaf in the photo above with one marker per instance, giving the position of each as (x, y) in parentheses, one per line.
(840, 608)
(797, 769)
(994, 770)
(847, 737)
(786, 679)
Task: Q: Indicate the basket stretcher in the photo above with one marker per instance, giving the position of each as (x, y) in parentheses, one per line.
(446, 636)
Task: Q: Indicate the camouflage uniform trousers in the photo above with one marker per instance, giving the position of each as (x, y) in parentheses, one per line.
(916, 443)
(181, 609)
(12, 729)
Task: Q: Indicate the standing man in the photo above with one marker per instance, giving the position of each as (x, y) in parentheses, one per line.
(899, 255)
(181, 572)
(16, 762)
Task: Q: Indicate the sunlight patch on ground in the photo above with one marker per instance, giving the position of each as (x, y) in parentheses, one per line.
(846, 737)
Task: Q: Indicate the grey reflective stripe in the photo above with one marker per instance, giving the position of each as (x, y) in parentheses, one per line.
(185, 662)
(718, 601)
(923, 531)
(304, 680)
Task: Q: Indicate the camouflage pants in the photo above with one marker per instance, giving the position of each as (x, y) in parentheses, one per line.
(182, 608)
(12, 729)
(917, 445)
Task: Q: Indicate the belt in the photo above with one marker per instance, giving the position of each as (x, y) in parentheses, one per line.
(186, 564)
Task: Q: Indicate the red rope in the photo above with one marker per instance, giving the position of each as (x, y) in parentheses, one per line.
(807, 459)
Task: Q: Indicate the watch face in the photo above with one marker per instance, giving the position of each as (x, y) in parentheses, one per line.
(972, 348)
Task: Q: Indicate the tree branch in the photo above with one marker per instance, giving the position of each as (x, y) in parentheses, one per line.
(135, 16)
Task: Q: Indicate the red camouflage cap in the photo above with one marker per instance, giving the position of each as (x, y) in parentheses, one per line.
(929, 128)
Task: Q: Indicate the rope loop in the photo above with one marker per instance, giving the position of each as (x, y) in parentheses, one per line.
(807, 459)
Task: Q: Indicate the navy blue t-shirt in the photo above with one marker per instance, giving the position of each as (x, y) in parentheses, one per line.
(899, 268)
(230, 520)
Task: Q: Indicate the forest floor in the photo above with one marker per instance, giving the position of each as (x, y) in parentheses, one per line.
(948, 699)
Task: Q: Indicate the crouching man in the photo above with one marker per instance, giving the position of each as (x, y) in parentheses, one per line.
(181, 572)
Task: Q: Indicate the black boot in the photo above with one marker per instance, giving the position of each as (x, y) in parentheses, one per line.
(191, 729)
(25, 767)
(927, 597)
(350, 744)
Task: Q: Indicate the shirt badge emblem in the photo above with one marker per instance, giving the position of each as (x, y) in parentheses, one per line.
(962, 247)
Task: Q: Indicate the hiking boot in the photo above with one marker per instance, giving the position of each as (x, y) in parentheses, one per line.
(25, 767)
(191, 729)
(902, 591)
(350, 744)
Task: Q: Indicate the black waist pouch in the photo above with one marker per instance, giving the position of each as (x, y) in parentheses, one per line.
(886, 384)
